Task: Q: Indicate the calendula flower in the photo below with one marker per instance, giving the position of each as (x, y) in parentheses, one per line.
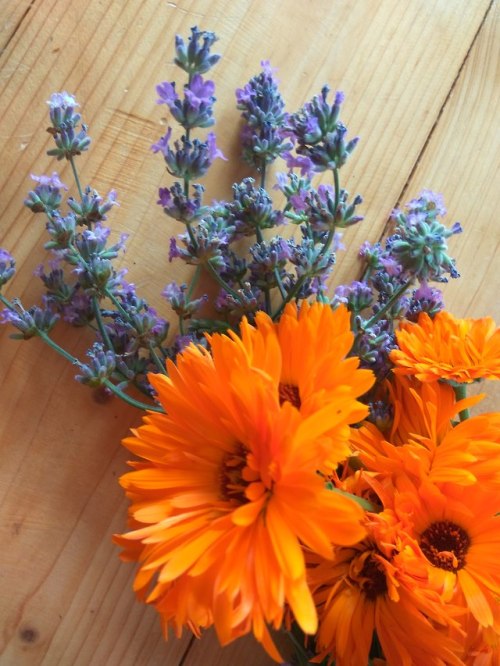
(458, 350)
(227, 492)
(305, 354)
(380, 587)
(423, 442)
(458, 530)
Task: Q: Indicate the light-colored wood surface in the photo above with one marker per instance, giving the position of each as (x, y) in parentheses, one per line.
(422, 91)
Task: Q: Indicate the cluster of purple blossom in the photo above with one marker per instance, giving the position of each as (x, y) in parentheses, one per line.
(84, 288)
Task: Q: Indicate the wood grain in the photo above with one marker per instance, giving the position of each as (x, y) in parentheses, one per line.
(462, 160)
(421, 84)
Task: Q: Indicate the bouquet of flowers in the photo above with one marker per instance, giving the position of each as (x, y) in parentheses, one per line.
(307, 460)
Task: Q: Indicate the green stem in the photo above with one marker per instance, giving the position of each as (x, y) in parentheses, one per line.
(301, 654)
(191, 234)
(100, 324)
(62, 352)
(263, 175)
(387, 306)
(156, 359)
(280, 284)
(329, 239)
(222, 282)
(461, 394)
(267, 294)
(364, 504)
(117, 304)
(114, 389)
(194, 282)
(75, 174)
(7, 303)
(74, 361)
(260, 239)
(188, 134)
(331, 232)
(291, 294)
(132, 401)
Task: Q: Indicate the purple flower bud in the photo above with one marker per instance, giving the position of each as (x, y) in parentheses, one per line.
(269, 257)
(101, 367)
(188, 159)
(248, 302)
(211, 240)
(91, 208)
(392, 267)
(61, 108)
(174, 251)
(7, 266)
(424, 299)
(200, 90)
(176, 296)
(167, 94)
(177, 205)
(52, 181)
(46, 197)
(29, 322)
(61, 231)
(161, 146)
(419, 243)
(195, 58)
(319, 135)
(62, 100)
(305, 164)
(213, 151)
(79, 311)
(357, 296)
(196, 109)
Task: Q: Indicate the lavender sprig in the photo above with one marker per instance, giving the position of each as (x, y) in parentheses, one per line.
(84, 288)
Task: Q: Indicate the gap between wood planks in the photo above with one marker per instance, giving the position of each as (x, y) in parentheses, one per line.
(182, 660)
(439, 114)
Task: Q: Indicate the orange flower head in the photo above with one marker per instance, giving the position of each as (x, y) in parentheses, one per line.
(227, 492)
(458, 350)
(380, 585)
(305, 355)
(423, 442)
(458, 530)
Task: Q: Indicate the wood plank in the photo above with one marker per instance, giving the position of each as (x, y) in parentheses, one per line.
(385, 37)
(12, 15)
(245, 651)
(462, 161)
(60, 449)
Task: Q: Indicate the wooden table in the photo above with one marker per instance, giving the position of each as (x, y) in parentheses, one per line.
(421, 83)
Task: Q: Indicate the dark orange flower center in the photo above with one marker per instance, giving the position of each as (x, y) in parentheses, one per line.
(445, 545)
(371, 579)
(289, 393)
(232, 483)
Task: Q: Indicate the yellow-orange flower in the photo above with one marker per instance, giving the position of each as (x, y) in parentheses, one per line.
(459, 350)
(458, 530)
(305, 355)
(380, 585)
(227, 492)
(424, 443)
